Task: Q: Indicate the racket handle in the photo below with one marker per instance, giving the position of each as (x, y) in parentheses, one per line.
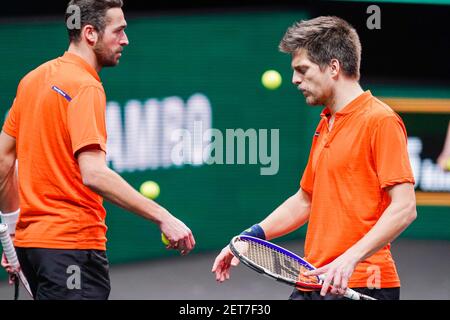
(352, 294)
(8, 247)
(11, 256)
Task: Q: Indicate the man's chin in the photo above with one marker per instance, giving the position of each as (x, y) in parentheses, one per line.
(311, 102)
(111, 63)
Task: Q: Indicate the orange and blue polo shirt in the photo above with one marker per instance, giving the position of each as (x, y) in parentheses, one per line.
(348, 170)
(59, 108)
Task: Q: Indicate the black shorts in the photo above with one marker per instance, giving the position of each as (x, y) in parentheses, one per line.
(60, 274)
(379, 294)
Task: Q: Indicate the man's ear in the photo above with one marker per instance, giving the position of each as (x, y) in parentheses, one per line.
(335, 67)
(90, 34)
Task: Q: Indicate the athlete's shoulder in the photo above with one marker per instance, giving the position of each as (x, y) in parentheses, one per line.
(38, 73)
(380, 108)
(381, 115)
(61, 76)
(76, 76)
(377, 110)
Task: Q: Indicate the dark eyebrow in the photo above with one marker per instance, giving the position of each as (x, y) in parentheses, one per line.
(300, 67)
(123, 26)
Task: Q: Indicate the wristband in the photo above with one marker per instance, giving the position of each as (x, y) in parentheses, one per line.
(11, 220)
(255, 231)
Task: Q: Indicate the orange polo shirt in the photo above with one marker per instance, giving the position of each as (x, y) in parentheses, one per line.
(348, 170)
(59, 109)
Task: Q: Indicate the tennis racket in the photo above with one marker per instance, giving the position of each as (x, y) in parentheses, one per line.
(280, 264)
(10, 253)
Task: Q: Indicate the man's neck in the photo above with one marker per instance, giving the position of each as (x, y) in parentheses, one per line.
(346, 92)
(86, 54)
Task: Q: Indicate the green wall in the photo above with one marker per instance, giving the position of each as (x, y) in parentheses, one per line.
(222, 57)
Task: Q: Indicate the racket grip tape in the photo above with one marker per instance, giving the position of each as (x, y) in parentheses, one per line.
(350, 293)
(8, 247)
(11, 256)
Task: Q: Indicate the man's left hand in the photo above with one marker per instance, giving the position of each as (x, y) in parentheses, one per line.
(336, 274)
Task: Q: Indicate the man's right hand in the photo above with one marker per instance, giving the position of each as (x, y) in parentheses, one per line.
(178, 234)
(444, 160)
(12, 272)
(223, 263)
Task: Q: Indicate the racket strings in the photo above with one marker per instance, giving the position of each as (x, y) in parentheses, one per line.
(277, 262)
(273, 260)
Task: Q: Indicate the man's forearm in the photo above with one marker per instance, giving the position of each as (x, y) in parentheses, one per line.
(113, 188)
(9, 194)
(395, 219)
(289, 216)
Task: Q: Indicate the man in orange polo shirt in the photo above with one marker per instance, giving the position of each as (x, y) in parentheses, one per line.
(56, 130)
(357, 191)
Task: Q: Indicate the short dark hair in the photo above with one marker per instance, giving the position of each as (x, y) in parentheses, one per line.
(92, 12)
(326, 38)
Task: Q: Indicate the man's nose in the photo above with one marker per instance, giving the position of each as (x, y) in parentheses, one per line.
(124, 41)
(296, 78)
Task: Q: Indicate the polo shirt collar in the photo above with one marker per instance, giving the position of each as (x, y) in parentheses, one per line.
(76, 59)
(351, 107)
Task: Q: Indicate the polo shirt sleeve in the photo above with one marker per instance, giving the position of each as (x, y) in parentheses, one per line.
(86, 119)
(390, 152)
(11, 122)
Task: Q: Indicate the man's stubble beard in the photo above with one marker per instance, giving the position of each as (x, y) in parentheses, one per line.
(105, 57)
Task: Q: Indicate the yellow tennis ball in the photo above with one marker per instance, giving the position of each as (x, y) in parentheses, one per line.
(164, 239)
(150, 189)
(271, 79)
(447, 165)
